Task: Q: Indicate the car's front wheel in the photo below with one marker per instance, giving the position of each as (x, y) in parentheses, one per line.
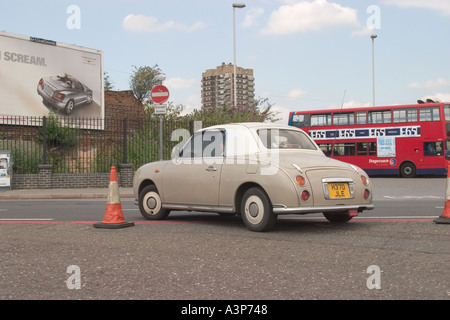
(150, 204)
(338, 217)
(256, 210)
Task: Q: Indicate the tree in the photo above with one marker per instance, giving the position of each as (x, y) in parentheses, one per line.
(107, 84)
(143, 80)
(259, 111)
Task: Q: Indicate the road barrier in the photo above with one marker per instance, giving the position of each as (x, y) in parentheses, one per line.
(113, 218)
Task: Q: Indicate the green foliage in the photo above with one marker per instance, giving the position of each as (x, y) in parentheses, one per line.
(58, 136)
(26, 155)
(143, 80)
(234, 114)
(107, 83)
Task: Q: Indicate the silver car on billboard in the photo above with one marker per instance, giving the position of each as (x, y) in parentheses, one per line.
(255, 170)
(64, 92)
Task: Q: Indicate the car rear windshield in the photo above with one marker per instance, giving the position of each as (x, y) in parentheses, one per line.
(285, 139)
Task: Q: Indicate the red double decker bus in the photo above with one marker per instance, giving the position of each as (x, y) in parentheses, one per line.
(405, 140)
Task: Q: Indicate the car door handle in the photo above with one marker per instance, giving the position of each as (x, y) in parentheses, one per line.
(211, 169)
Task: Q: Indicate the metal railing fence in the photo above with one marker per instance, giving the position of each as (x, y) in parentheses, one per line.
(86, 145)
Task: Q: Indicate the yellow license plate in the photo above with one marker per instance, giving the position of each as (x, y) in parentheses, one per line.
(338, 190)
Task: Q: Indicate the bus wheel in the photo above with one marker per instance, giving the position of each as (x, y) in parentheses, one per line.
(408, 170)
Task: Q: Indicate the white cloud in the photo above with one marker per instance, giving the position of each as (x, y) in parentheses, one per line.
(142, 23)
(282, 114)
(441, 6)
(179, 83)
(191, 103)
(430, 84)
(361, 32)
(251, 16)
(296, 93)
(443, 97)
(309, 16)
(351, 104)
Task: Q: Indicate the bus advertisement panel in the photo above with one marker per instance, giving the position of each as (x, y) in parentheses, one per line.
(406, 140)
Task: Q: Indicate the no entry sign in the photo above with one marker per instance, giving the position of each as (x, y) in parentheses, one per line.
(159, 94)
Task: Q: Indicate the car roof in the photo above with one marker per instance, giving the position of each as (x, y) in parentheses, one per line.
(252, 125)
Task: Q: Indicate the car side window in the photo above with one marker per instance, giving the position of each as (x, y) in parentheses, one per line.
(210, 143)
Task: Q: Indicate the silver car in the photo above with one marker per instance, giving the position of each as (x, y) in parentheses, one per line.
(255, 170)
(64, 92)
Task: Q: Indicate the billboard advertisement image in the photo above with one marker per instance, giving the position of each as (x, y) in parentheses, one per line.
(38, 76)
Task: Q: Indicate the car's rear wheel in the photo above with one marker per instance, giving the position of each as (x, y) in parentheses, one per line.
(256, 210)
(150, 204)
(338, 217)
(69, 107)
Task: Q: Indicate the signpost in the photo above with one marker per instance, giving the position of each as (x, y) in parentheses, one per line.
(160, 109)
(159, 95)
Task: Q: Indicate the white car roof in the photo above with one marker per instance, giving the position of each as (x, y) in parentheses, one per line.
(252, 125)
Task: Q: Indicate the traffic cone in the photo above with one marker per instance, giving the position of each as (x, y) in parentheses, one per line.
(445, 217)
(113, 218)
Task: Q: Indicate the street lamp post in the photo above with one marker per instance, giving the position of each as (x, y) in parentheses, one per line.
(240, 6)
(373, 36)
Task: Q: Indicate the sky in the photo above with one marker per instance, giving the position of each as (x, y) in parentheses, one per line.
(306, 55)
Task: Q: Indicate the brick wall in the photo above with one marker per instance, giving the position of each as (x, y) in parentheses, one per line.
(122, 104)
(45, 179)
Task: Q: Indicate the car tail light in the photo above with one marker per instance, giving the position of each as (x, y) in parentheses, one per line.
(301, 181)
(41, 83)
(59, 96)
(364, 180)
(305, 195)
(366, 194)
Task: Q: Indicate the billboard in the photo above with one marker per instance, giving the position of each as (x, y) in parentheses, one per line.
(38, 76)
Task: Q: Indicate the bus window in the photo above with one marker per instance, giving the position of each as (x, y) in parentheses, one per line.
(447, 127)
(447, 112)
(405, 115)
(344, 149)
(432, 148)
(341, 119)
(321, 119)
(300, 120)
(326, 148)
(361, 117)
(372, 148)
(380, 116)
(429, 114)
(361, 148)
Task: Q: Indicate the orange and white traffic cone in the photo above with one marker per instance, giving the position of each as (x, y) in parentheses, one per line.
(113, 218)
(445, 217)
